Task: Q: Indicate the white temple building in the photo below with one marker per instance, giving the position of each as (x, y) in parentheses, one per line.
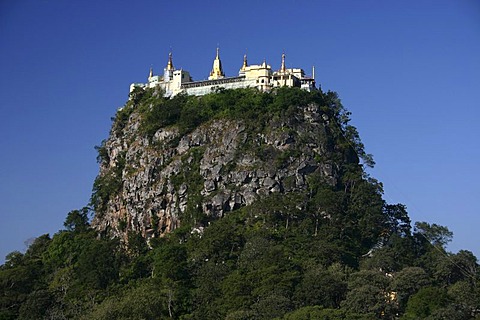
(260, 76)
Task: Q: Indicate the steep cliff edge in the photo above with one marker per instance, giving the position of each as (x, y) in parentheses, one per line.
(188, 160)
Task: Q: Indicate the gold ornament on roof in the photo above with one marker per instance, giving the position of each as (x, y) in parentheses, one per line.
(170, 62)
(217, 71)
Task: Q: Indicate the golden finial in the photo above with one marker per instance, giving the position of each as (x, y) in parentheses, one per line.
(217, 70)
(170, 61)
(151, 72)
(245, 64)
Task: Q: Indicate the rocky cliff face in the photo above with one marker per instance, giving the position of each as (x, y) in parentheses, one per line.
(217, 167)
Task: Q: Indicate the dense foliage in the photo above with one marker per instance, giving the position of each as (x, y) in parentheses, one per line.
(329, 252)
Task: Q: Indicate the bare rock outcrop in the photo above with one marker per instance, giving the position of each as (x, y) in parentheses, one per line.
(220, 166)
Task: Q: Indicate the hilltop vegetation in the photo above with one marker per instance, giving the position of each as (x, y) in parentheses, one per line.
(331, 250)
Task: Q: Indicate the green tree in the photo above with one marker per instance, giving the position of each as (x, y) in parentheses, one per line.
(207, 293)
(317, 312)
(171, 273)
(451, 268)
(465, 297)
(320, 287)
(36, 305)
(16, 282)
(368, 294)
(425, 302)
(140, 300)
(367, 299)
(407, 282)
(77, 220)
(437, 235)
(397, 221)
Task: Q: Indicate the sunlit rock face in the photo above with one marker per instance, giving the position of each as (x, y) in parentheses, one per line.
(220, 166)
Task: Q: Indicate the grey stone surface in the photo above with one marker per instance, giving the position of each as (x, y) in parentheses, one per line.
(159, 176)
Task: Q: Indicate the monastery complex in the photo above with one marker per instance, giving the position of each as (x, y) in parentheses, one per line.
(260, 76)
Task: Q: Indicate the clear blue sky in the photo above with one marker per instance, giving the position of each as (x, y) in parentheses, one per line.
(409, 71)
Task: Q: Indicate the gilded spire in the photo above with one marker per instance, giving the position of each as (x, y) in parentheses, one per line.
(170, 62)
(283, 68)
(217, 71)
(151, 73)
(245, 64)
